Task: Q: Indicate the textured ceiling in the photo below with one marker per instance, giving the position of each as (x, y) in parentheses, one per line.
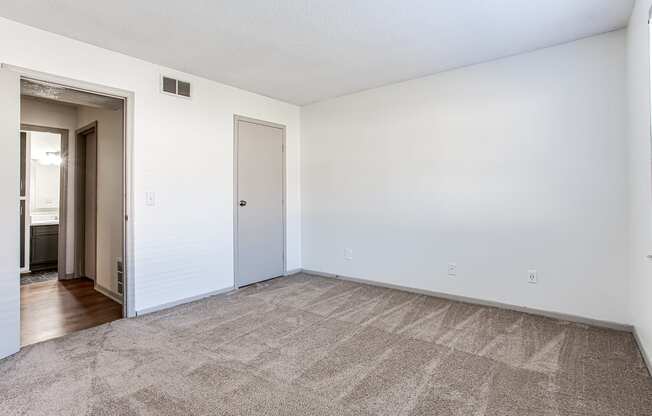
(303, 51)
(51, 92)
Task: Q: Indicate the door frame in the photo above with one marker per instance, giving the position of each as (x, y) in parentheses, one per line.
(25, 199)
(128, 98)
(236, 141)
(64, 171)
(79, 233)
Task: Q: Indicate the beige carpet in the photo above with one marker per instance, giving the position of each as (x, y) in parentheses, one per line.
(314, 346)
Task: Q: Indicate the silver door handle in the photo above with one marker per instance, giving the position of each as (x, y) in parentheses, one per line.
(243, 203)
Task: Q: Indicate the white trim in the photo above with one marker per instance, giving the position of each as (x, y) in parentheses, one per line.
(183, 301)
(539, 312)
(108, 293)
(27, 199)
(293, 272)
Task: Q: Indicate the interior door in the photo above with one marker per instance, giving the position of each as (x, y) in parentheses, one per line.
(90, 220)
(260, 227)
(9, 212)
(86, 204)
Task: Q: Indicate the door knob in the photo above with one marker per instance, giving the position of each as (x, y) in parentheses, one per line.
(243, 203)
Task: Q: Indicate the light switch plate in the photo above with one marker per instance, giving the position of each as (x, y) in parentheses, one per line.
(150, 198)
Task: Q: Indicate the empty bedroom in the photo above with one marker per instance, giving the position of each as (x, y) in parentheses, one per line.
(302, 207)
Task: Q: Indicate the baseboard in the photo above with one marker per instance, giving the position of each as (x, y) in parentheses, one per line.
(539, 312)
(293, 272)
(331, 275)
(169, 305)
(644, 354)
(108, 293)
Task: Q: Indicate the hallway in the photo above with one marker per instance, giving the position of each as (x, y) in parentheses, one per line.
(55, 308)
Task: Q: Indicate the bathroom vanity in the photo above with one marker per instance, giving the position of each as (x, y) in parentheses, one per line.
(44, 242)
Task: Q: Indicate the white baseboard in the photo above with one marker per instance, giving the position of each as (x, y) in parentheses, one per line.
(182, 301)
(108, 293)
(549, 314)
(644, 354)
(293, 272)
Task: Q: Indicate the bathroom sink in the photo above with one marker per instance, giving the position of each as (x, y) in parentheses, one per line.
(40, 219)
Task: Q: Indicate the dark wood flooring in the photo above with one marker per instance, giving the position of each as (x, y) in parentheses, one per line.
(54, 308)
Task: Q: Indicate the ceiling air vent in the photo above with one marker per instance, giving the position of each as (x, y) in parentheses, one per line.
(175, 87)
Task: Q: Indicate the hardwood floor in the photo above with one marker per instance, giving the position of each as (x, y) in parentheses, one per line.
(55, 308)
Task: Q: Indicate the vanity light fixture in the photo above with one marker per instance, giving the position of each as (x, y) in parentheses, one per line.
(51, 158)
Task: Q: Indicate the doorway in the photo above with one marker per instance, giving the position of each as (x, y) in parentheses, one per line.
(16, 301)
(259, 200)
(43, 207)
(88, 289)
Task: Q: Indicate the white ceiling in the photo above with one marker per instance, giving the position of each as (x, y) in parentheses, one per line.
(303, 51)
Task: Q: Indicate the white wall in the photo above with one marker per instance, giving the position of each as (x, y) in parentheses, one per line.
(9, 208)
(640, 186)
(45, 114)
(501, 167)
(183, 151)
(109, 195)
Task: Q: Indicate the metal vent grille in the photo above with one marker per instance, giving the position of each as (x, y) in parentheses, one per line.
(169, 85)
(175, 87)
(120, 272)
(183, 88)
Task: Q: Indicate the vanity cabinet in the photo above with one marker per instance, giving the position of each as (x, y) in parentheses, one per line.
(44, 244)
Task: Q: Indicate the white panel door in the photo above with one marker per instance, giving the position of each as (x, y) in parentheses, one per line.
(9, 212)
(260, 228)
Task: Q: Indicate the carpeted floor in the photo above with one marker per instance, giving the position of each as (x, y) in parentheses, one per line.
(311, 346)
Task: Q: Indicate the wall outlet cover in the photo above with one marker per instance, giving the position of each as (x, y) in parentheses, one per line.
(452, 269)
(348, 253)
(532, 276)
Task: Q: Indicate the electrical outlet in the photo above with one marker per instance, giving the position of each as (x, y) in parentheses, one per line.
(532, 276)
(348, 254)
(452, 269)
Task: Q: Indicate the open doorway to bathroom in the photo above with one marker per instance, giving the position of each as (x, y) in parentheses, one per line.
(43, 162)
(72, 210)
